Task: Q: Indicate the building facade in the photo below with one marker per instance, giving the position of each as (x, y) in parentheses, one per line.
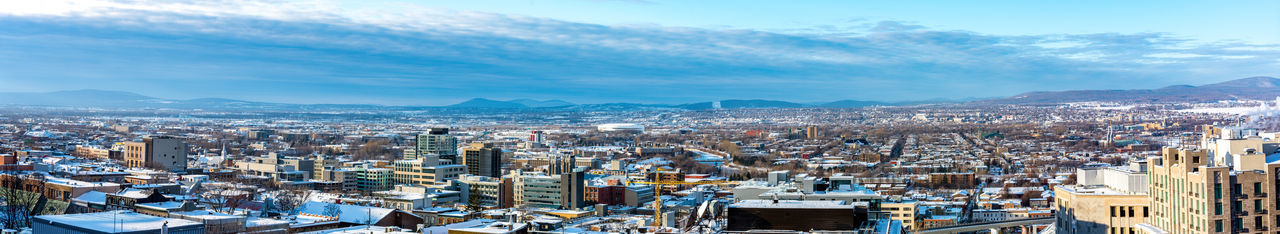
(482, 159)
(159, 152)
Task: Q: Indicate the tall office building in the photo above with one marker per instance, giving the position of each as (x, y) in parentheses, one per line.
(438, 141)
(159, 152)
(482, 159)
(573, 189)
(811, 132)
(536, 136)
(1228, 185)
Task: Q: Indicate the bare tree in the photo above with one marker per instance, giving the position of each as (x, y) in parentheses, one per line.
(289, 200)
(21, 196)
(332, 210)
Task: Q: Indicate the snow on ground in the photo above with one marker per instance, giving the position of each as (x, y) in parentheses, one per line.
(1243, 110)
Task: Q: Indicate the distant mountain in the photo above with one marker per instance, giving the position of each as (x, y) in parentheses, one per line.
(735, 104)
(486, 103)
(1247, 88)
(79, 98)
(852, 104)
(1265, 88)
(537, 104)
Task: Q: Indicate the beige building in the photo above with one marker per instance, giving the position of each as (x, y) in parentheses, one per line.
(1228, 185)
(1098, 210)
(904, 211)
(1104, 200)
(426, 171)
(160, 152)
(482, 159)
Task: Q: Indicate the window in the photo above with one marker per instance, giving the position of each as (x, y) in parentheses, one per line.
(1257, 188)
(1146, 212)
(1217, 225)
(1257, 223)
(1257, 205)
(1217, 209)
(1217, 191)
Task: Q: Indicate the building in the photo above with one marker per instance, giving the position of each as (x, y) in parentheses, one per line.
(347, 178)
(563, 191)
(637, 195)
(904, 211)
(482, 159)
(323, 163)
(490, 192)
(438, 141)
(1104, 200)
(606, 194)
(65, 189)
(278, 168)
(794, 215)
(958, 180)
(373, 179)
(620, 127)
(812, 132)
(129, 198)
(1228, 185)
(260, 134)
(113, 222)
(426, 171)
(159, 152)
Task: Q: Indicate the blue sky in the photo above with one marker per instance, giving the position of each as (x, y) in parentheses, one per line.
(648, 51)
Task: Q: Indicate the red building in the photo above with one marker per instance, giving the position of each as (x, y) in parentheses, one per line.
(608, 195)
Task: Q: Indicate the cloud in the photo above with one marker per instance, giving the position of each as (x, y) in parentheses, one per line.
(317, 52)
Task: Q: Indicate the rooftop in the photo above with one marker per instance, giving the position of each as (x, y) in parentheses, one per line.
(791, 204)
(116, 221)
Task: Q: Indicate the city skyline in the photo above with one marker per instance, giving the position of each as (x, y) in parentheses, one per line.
(439, 53)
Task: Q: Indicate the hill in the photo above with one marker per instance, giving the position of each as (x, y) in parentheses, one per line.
(1246, 88)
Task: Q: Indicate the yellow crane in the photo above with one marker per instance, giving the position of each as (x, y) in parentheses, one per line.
(657, 192)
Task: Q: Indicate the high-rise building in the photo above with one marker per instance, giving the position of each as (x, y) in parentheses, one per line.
(159, 152)
(1228, 185)
(536, 136)
(438, 141)
(573, 189)
(812, 132)
(482, 159)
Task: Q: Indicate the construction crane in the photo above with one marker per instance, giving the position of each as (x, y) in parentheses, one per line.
(657, 192)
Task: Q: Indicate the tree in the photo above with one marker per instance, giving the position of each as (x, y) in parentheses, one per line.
(474, 201)
(373, 149)
(332, 210)
(289, 200)
(21, 196)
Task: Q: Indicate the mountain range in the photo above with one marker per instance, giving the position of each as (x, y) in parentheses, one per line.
(1258, 88)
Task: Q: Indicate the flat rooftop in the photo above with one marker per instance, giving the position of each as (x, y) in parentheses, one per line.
(116, 221)
(791, 204)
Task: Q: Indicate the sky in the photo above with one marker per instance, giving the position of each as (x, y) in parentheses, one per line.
(437, 52)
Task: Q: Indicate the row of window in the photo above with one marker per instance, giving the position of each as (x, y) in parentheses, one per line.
(1129, 211)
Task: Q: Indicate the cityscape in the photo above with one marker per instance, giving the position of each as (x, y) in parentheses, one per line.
(533, 117)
